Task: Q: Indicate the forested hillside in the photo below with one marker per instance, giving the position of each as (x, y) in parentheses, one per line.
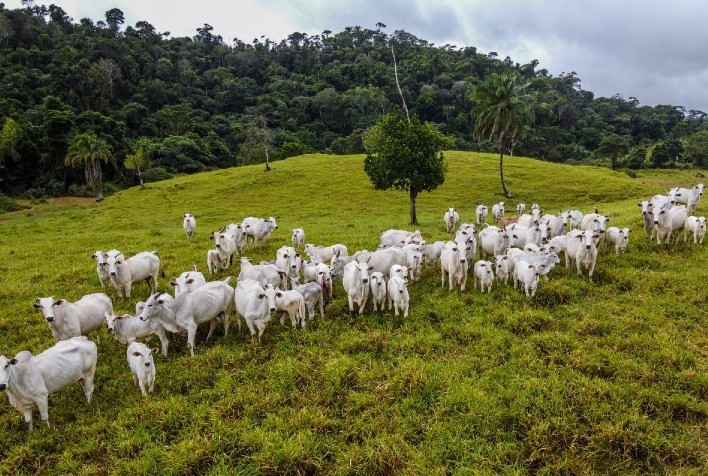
(197, 100)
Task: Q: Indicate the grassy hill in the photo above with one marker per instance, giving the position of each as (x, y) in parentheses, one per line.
(592, 377)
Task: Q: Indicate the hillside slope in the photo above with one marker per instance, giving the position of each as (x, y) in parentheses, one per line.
(583, 378)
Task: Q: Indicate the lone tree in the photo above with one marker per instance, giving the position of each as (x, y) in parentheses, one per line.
(405, 155)
(613, 146)
(88, 150)
(140, 159)
(258, 137)
(502, 111)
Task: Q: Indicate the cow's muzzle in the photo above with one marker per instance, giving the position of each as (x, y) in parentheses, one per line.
(587, 247)
(364, 281)
(272, 309)
(113, 273)
(3, 386)
(50, 319)
(147, 364)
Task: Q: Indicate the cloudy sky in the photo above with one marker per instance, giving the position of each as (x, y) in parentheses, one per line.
(656, 51)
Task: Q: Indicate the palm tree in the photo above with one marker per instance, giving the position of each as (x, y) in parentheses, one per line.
(88, 150)
(140, 160)
(502, 111)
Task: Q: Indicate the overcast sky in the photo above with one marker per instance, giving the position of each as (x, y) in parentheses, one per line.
(654, 50)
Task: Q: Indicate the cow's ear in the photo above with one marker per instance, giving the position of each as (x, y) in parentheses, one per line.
(137, 354)
(515, 237)
(93, 256)
(371, 268)
(36, 306)
(607, 219)
(173, 284)
(639, 204)
(261, 296)
(121, 317)
(279, 295)
(530, 266)
(212, 236)
(59, 302)
(190, 280)
(161, 301)
(13, 361)
(154, 350)
(298, 255)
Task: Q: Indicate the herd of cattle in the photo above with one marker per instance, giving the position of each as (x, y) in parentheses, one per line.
(521, 248)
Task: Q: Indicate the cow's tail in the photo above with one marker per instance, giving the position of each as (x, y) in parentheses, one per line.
(301, 310)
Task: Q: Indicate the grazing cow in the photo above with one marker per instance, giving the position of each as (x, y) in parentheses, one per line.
(101, 269)
(189, 224)
(382, 260)
(527, 275)
(123, 272)
(575, 219)
(668, 221)
(127, 329)
(259, 229)
(254, 303)
(690, 196)
(226, 246)
(399, 298)
(309, 270)
(594, 222)
(647, 219)
(581, 247)
(498, 211)
(356, 283)
(263, 273)
(326, 253)
(377, 283)
(142, 366)
(29, 379)
(209, 303)
(483, 275)
(619, 237)
(504, 267)
(695, 226)
(298, 237)
(188, 281)
(454, 264)
(313, 295)
(481, 214)
(451, 218)
(72, 319)
(494, 241)
(400, 238)
(291, 303)
(520, 207)
(337, 267)
(289, 261)
(324, 279)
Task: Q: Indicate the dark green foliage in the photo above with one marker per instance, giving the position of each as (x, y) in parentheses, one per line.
(666, 153)
(613, 146)
(695, 148)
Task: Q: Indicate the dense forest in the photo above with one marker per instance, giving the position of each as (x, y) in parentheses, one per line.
(190, 104)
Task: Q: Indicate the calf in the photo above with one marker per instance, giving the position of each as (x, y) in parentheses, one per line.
(29, 379)
(483, 275)
(481, 214)
(415, 265)
(575, 219)
(356, 284)
(289, 261)
(451, 218)
(254, 303)
(236, 233)
(520, 207)
(123, 272)
(697, 227)
(72, 319)
(454, 264)
(189, 224)
(128, 329)
(142, 366)
(313, 295)
(324, 279)
(498, 211)
(377, 283)
(505, 267)
(225, 245)
(398, 295)
(581, 247)
(298, 238)
(291, 303)
(504, 221)
(619, 237)
(526, 274)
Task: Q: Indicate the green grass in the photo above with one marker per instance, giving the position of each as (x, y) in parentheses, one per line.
(588, 377)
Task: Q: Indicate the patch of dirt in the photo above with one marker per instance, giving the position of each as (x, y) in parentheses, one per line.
(76, 201)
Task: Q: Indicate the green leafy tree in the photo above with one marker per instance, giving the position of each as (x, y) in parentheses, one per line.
(666, 153)
(89, 151)
(502, 111)
(405, 155)
(139, 160)
(9, 137)
(613, 146)
(695, 148)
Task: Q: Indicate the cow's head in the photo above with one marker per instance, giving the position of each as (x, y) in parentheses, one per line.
(48, 306)
(5, 368)
(272, 222)
(145, 356)
(152, 306)
(113, 263)
(270, 294)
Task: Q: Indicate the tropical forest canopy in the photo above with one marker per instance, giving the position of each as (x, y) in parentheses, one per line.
(191, 103)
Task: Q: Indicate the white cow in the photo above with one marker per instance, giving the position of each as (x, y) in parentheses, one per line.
(288, 260)
(29, 379)
(520, 207)
(581, 247)
(377, 283)
(356, 283)
(263, 273)
(505, 267)
(326, 253)
(324, 279)
(690, 196)
(189, 224)
(72, 319)
(415, 265)
(556, 223)
(123, 272)
(235, 231)
(101, 269)
(647, 219)
(619, 237)
(225, 245)
(695, 226)
(298, 237)
(454, 264)
(521, 235)
(399, 299)
(127, 329)
(527, 275)
(291, 303)
(484, 275)
(451, 218)
(494, 241)
(481, 214)
(557, 244)
(575, 219)
(142, 366)
(188, 281)
(209, 303)
(214, 262)
(254, 303)
(668, 221)
(259, 229)
(498, 210)
(313, 295)
(382, 260)
(400, 238)
(594, 222)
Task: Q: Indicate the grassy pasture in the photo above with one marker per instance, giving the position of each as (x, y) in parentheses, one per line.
(608, 376)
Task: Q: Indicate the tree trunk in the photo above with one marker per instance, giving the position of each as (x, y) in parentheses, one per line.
(140, 177)
(414, 216)
(267, 169)
(507, 194)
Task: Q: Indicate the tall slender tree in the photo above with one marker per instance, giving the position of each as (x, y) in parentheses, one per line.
(140, 159)
(89, 151)
(502, 110)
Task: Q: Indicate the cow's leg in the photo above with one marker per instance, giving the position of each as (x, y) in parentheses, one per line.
(126, 290)
(28, 418)
(592, 268)
(351, 304)
(578, 264)
(164, 342)
(191, 334)
(135, 379)
(212, 327)
(249, 323)
(43, 406)
(442, 277)
(142, 387)
(88, 382)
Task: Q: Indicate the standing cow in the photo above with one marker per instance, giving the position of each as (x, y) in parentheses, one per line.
(189, 224)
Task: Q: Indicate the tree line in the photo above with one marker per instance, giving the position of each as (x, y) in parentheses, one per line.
(85, 101)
